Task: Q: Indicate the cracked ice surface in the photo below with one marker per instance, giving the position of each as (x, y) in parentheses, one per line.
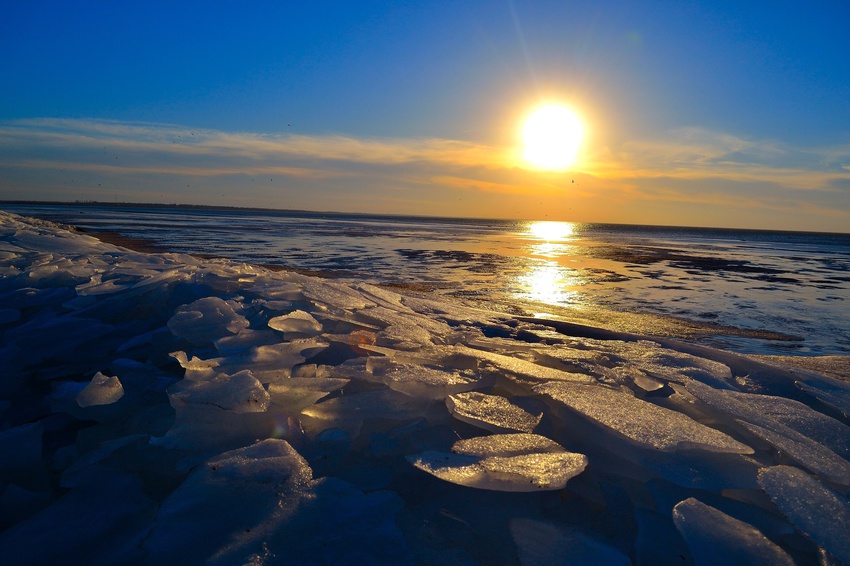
(159, 408)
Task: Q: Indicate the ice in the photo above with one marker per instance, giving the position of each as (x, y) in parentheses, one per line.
(643, 423)
(260, 503)
(243, 341)
(833, 393)
(240, 392)
(504, 462)
(20, 457)
(807, 453)
(298, 322)
(491, 412)
(99, 287)
(227, 505)
(545, 544)
(522, 368)
(819, 513)
(766, 417)
(797, 416)
(9, 315)
(206, 320)
(716, 538)
(196, 368)
(95, 524)
(422, 381)
(297, 393)
(101, 390)
(594, 435)
(329, 295)
(349, 411)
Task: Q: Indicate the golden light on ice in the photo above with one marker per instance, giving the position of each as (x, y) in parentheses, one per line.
(551, 137)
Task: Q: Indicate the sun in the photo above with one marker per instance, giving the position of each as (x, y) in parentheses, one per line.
(551, 137)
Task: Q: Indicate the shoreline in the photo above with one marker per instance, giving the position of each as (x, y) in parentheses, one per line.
(627, 321)
(835, 366)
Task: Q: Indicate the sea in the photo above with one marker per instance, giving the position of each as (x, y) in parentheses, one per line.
(749, 291)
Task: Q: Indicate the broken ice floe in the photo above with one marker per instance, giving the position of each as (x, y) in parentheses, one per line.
(717, 538)
(102, 390)
(641, 422)
(210, 411)
(819, 513)
(492, 412)
(504, 462)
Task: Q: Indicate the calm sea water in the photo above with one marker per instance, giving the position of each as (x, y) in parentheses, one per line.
(750, 291)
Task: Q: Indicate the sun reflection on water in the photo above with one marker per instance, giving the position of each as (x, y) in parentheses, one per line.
(550, 282)
(550, 239)
(551, 231)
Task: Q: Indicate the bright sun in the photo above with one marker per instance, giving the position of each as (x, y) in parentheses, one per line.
(552, 136)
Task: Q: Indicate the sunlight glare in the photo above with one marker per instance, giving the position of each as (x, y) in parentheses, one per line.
(551, 231)
(551, 137)
(549, 283)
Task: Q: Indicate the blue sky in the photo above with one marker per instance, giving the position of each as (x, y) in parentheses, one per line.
(712, 113)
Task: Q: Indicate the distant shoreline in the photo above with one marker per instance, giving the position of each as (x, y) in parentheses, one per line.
(294, 211)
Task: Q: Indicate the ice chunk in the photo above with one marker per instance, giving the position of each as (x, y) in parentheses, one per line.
(717, 538)
(101, 390)
(383, 297)
(244, 340)
(422, 381)
(285, 355)
(299, 322)
(161, 278)
(196, 368)
(331, 293)
(241, 393)
(815, 510)
(348, 412)
(256, 503)
(756, 414)
(96, 286)
(504, 462)
(523, 368)
(797, 416)
(491, 412)
(830, 392)
(810, 455)
(639, 421)
(293, 395)
(206, 320)
(230, 502)
(545, 544)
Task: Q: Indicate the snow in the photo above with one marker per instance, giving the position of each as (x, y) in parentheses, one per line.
(160, 408)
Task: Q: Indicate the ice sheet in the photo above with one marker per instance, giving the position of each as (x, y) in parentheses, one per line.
(267, 415)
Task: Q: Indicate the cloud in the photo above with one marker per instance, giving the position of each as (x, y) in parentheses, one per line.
(696, 154)
(688, 173)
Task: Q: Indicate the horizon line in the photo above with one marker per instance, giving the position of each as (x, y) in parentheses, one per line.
(131, 204)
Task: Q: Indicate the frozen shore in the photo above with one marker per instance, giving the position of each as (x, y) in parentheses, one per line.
(157, 408)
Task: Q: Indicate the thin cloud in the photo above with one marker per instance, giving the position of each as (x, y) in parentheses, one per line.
(690, 169)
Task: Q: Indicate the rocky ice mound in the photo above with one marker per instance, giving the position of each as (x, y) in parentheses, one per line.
(161, 409)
